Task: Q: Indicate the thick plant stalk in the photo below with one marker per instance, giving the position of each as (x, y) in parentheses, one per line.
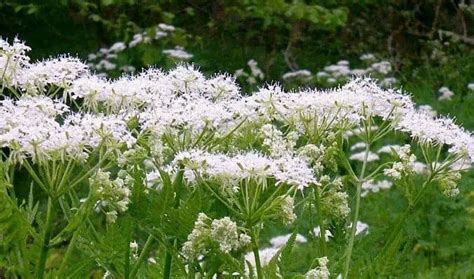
(46, 238)
(350, 245)
(256, 254)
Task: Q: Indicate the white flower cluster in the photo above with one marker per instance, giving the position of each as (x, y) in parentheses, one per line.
(321, 272)
(305, 75)
(224, 231)
(114, 195)
(288, 215)
(374, 186)
(445, 94)
(287, 169)
(361, 156)
(470, 86)
(13, 58)
(178, 53)
(17, 71)
(105, 58)
(335, 199)
(281, 240)
(404, 166)
(416, 166)
(134, 249)
(252, 77)
(265, 254)
(277, 144)
(327, 233)
(312, 153)
(185, 104)
(449, 183)
(361, 229)
(58, 72)
(206, 232)
(341, 71)
(338, 203)
(30, 128)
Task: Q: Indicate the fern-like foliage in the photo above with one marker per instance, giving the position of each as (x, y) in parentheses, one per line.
(16, 231)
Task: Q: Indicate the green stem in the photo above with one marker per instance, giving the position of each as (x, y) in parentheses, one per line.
(142, 256)
(21, 263)
(46, 237)
(256, 254)
(258, 265)
(322, 229)
(350, 246)
(126, 267)
(69, 250)
(167, 268)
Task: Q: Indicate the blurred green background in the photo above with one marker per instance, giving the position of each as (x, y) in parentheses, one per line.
(430, 44)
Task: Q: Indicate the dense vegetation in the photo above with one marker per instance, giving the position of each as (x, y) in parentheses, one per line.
(424, 47)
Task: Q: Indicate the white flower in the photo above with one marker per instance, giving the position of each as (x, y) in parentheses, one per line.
(196, 243)
(13, 60)
(151, 260)
(321, 272)
(186, 79)
(361, 156)
(255, 70)
(106, 65)
(327, 233)
(178, 53)
(361, 228)
(281, 240)
(114, 195)
(274, 141)
(445, 93)
(367, 57)
(427, 109)
(222, 87)
(358, 72)
(289, 170)
(134, 247)
(60, 72)
(322, 74)
(118, 47)
(265, 254)
(372, 186)
(138, 39)
(300, 74)
(395, 171)
(388, 82)
(339, 70)
(287, 207)
(382, 67)
(389, 148)
(224, 232)
(166, 27)
(358, 146)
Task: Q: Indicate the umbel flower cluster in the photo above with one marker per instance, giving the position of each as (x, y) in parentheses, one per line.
(195, 172)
